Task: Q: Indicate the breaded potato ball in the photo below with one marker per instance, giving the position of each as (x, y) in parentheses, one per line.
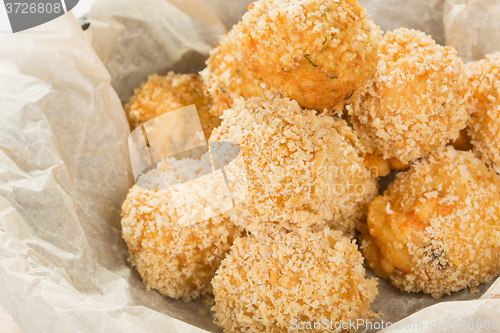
(484, 126)
(436, 229)
(177, 258)
(320, 53)
(161, 94)
(419, 101)
(225, 81)
(302, 168)
(285, 281)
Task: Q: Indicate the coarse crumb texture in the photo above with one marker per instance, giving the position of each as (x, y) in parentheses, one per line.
(420, 99)
(436, 229)
(172, 171)
(225, 80)
(268, 282)
(484, 126)
(302, 169)
(320, 53)
(161, 94)
(175, 251)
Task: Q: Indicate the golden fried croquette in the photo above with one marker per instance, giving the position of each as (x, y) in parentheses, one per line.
(419, 101)
(284, 281)
(484, 127)
(436, 229)
(320, 53)
(226, 82)
(178, 259)
(161, 94)
(303, 169)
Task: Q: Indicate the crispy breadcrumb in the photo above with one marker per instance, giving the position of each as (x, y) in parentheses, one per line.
(303, 169)
(173, 252)
(420, 99)
(161, 94)
(484, 126)
(436, 229)
(268, 282)
(226, 80)
(320, 53)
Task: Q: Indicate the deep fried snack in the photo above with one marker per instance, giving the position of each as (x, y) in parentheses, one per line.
(161, 94)
(436, 229)
(303, 169)
(178, 260)
(484, 126)
(271, 283)
(320, 53)
(419, 101)
(225, 81)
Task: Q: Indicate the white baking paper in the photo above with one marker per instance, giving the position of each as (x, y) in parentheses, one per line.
(153, 36)
(473, 27)
(424, 15)
(64, 168)
(64, 172)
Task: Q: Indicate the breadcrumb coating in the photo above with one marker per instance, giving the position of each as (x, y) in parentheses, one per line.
(161, 94)
(269, 281)
(420, 99)
(302, 169)
(484, 126)
(174, 254)
(225, 80)
(320, 53)
(436, 229)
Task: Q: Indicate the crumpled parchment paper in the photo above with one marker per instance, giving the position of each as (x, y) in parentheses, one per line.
(472, 27)
(64, 168)
(64, 172)
(153, 36)
(424, 15)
